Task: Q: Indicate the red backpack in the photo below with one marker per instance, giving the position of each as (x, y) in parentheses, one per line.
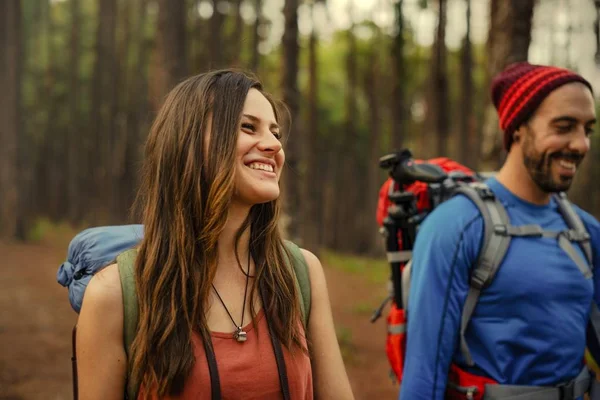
(396, 318)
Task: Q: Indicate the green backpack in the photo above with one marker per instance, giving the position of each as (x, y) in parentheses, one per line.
(126, 263)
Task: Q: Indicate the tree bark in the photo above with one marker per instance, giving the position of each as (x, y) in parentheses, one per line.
(10, 124)
(310, 194)
(103, 95)
(236, 36)
(467, 147)
(350, 179)
(255, 59)
(372, 88)
(171, 38)
(439, 96)
(216, 43)
(74, 142)
(399, 111)
(508, 42)
(291, 98)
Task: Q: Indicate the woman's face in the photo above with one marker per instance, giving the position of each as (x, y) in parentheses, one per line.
(259, 154)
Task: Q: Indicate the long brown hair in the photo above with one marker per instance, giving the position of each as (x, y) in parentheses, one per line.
(184, 198)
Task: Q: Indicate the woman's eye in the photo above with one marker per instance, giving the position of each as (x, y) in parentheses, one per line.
(277, 135)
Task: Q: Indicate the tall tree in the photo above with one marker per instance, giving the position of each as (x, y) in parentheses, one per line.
(103, 97)
(372, 88)
(138, 106)
(508, 42)
(171, 44)
(216, 43)
(10, 126)
(310, 179)
(439, 95)
(347, 221)
(50, 168)
(236, 35)
(467, 145)
(291, 97)
(255, 58)
(399, 111)
(74, 143)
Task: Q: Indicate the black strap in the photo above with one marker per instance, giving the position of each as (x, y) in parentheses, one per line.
(74, 363)
(281, 369)
(215, 383)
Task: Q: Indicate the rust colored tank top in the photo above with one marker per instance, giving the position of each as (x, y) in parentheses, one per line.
(248, 370)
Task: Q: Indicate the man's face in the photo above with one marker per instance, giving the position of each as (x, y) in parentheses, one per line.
(556, 138)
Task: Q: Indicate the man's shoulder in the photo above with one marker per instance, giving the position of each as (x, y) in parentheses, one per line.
(453, 215)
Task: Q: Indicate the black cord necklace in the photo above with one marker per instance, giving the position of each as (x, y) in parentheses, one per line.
(239, 334)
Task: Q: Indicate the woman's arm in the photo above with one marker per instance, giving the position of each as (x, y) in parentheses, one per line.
(101, 358)
(329, 373)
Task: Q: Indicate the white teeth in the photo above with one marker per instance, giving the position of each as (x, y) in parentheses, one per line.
(567, 164)
(261, 166)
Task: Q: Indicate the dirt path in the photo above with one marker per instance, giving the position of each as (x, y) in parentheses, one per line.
(36, 321)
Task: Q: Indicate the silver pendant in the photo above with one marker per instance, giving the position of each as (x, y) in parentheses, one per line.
(240, 335)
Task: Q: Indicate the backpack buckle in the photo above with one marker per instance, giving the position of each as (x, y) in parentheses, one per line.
(484, 191)
(575, 236)
(478, 278)
(501, 230)
(567, 391)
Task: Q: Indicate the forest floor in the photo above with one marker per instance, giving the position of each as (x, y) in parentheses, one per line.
(36, 322)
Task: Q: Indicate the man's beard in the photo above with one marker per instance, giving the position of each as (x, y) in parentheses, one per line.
(539, 166)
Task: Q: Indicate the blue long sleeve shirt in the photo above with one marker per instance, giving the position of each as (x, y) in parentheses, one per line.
(529, 325)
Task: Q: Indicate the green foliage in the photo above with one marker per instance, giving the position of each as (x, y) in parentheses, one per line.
(45, 230)
(373, 269)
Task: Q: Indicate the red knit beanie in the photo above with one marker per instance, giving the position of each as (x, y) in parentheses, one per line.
(519, 90)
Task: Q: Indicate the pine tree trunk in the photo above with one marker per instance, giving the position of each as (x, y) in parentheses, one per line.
(10, 124)
(372, 87)
(310, 194)
(255, 59)
(171, 39)
(439, 97)
(216, 42)
(349, 179)
(508, 42)
(467, 147)
(399, 108)
(291, 98)
(74, 142)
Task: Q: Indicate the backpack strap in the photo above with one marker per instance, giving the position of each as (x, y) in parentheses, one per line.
(302, 279)
(494, 247)
(577, 232)
(126, 263)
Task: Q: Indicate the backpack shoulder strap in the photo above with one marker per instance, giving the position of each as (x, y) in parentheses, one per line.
(493, 249)
(574, 222)
(126, 264)
(302, 278)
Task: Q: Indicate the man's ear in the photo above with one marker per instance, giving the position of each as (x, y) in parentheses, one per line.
(518, 134)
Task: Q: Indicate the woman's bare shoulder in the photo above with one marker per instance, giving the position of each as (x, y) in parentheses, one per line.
(104, 293)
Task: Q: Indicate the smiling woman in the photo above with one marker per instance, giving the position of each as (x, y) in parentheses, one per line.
(210, 325)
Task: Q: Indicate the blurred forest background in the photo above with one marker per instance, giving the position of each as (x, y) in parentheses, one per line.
(82, 79)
